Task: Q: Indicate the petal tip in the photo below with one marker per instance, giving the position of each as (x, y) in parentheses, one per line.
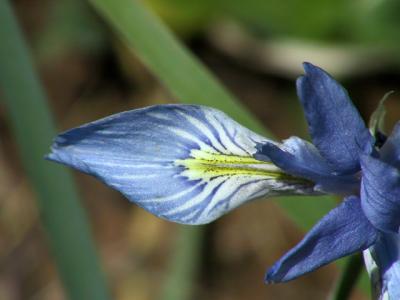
(276, 274)
(55, 155)
(307, 66)
(312, 70)
(269, 276)
(261, 151)
(49, 156)
(55, 149)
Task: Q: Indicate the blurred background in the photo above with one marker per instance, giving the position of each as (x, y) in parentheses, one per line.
(255, 48)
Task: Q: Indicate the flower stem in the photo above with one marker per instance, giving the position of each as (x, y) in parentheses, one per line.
(349, 278)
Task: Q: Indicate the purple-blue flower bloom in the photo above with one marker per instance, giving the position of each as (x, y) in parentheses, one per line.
(192, 164)
(367, 219)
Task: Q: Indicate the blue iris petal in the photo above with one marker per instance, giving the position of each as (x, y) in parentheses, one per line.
(300, 158)
(380, 193)
(185, 163)
(335, 125)
(343, 231)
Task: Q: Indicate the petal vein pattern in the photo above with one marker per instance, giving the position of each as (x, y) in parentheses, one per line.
(185, 163)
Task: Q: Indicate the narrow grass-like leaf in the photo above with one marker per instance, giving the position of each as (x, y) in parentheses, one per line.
(184, 264)
(349, 277)
(180, 71)
(61, 213)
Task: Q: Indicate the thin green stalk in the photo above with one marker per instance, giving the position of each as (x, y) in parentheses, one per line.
(349, 277)
(60, 211)
(184, 264)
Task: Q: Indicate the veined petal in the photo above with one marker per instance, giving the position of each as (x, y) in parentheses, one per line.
(380, 193)
(301, 159)
(385, 258)
(343, 231)
(335, 125)
(185, 163)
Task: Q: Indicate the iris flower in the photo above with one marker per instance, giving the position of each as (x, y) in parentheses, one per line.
(191, 164)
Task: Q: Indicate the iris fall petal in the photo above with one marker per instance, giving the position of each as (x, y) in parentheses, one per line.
(184, 163)
(343, 231)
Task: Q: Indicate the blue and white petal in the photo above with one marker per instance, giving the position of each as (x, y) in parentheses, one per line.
(184, 163)
(343, 231)
(374, 274)
(336, 128)
(380, 193)
(383, 265)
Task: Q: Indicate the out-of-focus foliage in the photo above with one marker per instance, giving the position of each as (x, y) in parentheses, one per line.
(70, 25)
(182, 16)
(62, 215)
(363, 21)
(378, 21)
(313, 19)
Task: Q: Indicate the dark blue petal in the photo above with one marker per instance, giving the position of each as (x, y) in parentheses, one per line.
(390, 151)
(343, 231)
(185, 163)
(335, 125)
(301, 159)
(380, 193)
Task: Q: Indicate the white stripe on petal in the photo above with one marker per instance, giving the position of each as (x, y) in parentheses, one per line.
(184, 134)
(226, 141)
(206, 131)
(175, 196)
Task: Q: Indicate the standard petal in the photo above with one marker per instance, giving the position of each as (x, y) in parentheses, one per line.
(380, 193)
(386, 253)
(185, 163)
(301, 159)
(343, 231)
(335, 125)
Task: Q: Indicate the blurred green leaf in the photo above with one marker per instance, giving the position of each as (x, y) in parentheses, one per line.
(349, 277)
(184, 264)
(71, 25)
(313, 19)
(334, 21)
(62, 216)
(184, 17)
(178, 69)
